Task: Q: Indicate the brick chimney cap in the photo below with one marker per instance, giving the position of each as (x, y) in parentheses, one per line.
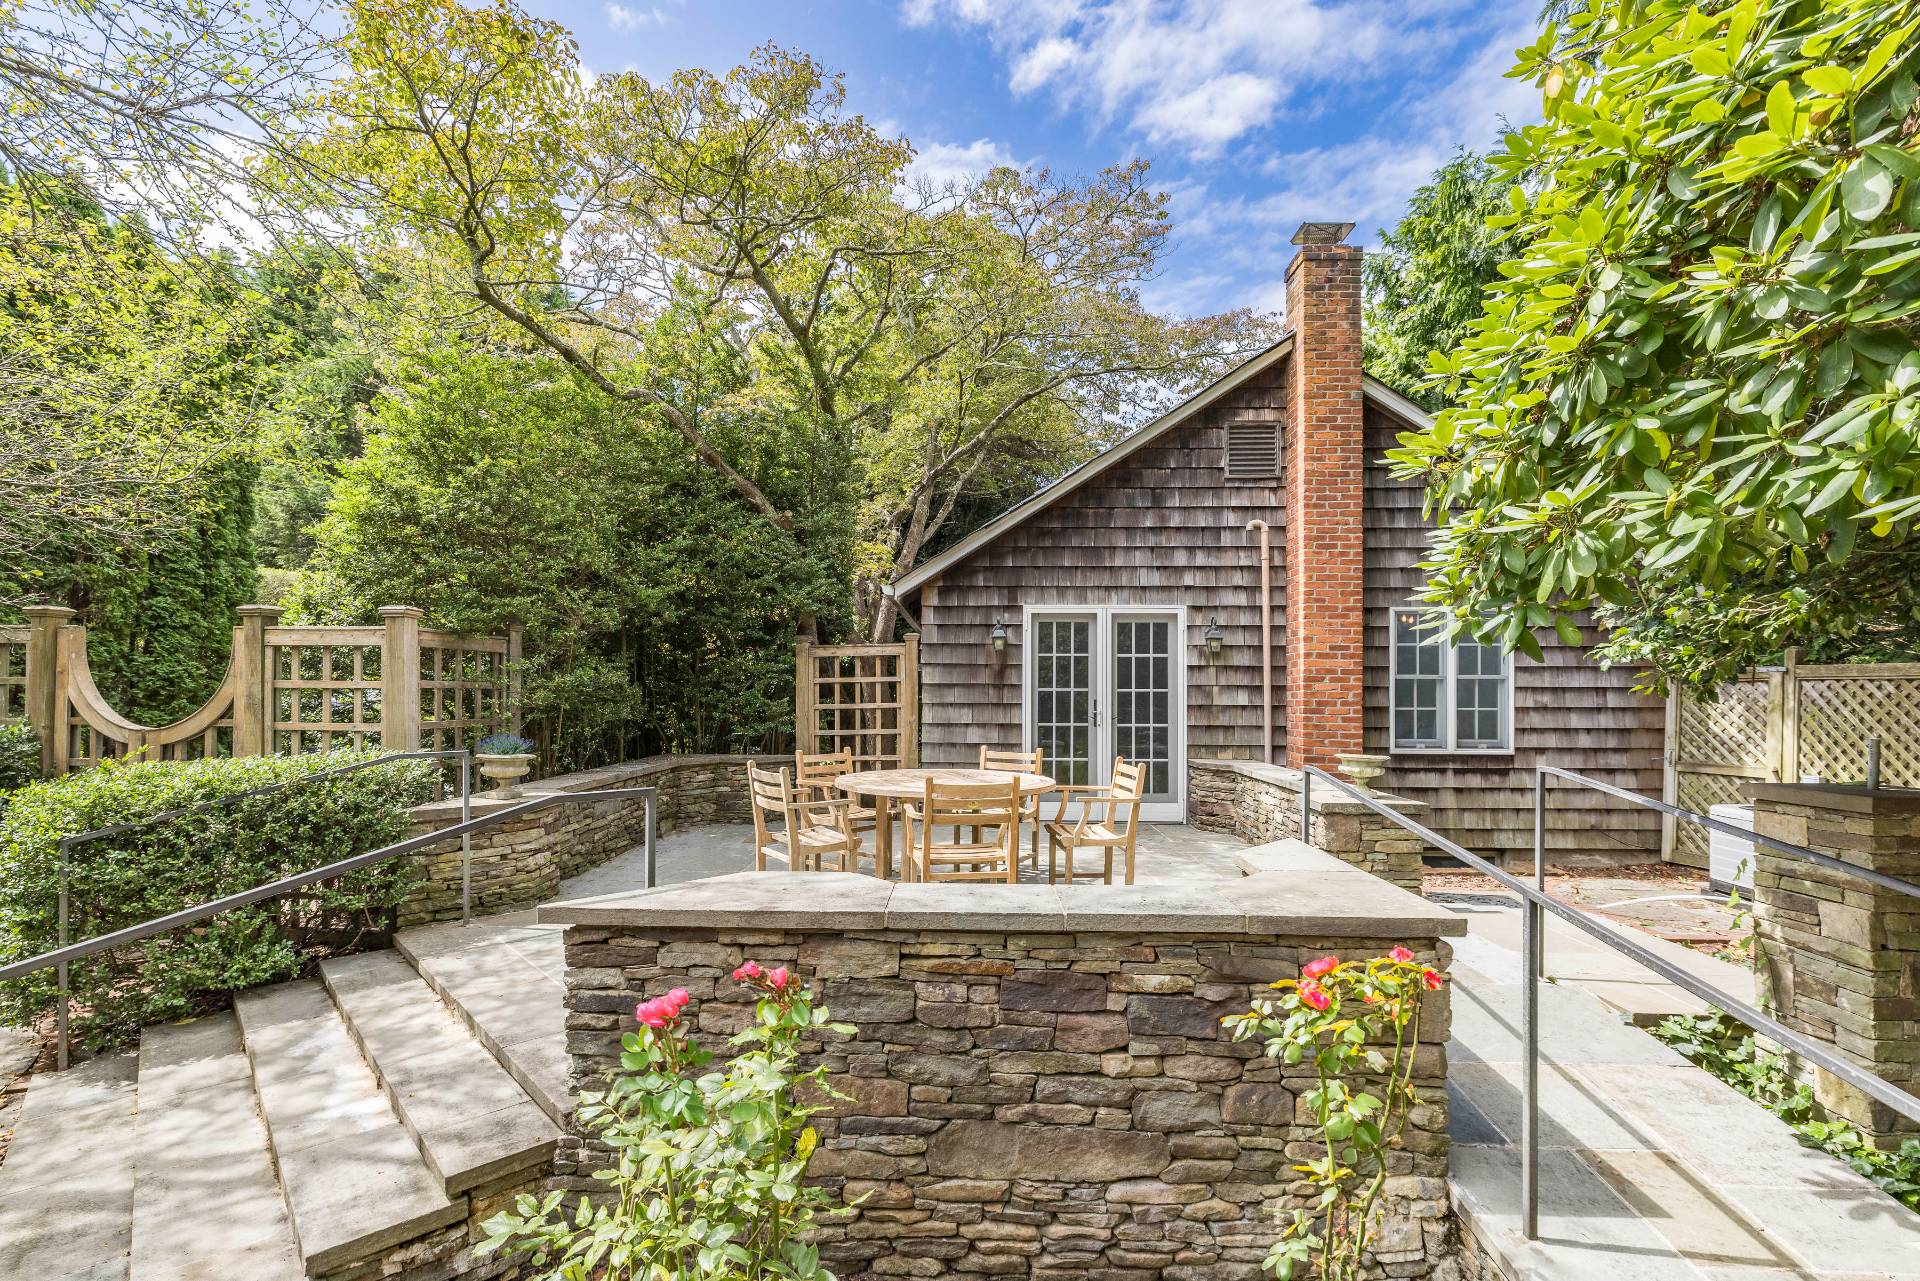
(1322, 233)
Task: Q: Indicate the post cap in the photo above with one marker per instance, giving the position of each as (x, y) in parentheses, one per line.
(269, 612)
(402, 611)
(1322, 233)
(49, 611)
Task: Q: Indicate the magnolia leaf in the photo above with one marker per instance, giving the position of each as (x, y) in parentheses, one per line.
(1828, 79)
(1780, 107)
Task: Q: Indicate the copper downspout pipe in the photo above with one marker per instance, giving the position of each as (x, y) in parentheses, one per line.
(1266, 640)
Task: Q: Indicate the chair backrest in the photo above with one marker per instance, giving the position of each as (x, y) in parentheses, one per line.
(819, 769)
(970, 805)
(767, 792)
(1129, 784)
(1018, 762)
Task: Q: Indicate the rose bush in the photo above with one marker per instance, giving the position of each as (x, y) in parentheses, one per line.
(709, 1168)
(1358, 1023)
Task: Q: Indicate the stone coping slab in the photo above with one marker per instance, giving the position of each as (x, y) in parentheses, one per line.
(1314, 894)
(1852, 798)
(1326, 799)
(624, 774)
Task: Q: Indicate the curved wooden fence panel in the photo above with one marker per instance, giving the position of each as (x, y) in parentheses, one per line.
(287, 690)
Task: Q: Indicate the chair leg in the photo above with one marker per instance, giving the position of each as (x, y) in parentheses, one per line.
(1129, 862)
(1106, 868)
(1053, 857)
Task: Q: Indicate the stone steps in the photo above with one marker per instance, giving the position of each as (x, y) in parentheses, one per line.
(206, 1203)
(472, 1122)
(66, 1190)
(506, 984)
(354, 1182)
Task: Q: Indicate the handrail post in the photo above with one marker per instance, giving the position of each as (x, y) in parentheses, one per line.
(61, 1040)
(466, 839)
(1530, 1075)
(1537, 954)
(1306, 803)
(648, 837)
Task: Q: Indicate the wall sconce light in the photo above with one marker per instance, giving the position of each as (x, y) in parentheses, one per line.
(998, 637)
(1215, 638)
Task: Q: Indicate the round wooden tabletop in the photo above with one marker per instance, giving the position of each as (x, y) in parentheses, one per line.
(913, 782)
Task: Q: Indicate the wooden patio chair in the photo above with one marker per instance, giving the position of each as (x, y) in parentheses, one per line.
(812, 830)
(1099, 824)
(816, 771)
(979, 807)
(1021, 763)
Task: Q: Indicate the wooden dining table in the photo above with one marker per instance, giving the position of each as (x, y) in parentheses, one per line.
(888, 787)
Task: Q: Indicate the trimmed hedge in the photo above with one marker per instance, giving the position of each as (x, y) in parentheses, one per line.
(121, 881)
(19, 757)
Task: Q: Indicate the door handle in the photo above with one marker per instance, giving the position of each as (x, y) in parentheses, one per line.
(1096, 711)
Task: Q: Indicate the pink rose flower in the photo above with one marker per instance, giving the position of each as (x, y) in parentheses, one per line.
(778, 979)
(747, 973)
(1313, 994)
(1401, 954)
(1432, 979)
(1325, 965)
(656, 1013)
(677, 999)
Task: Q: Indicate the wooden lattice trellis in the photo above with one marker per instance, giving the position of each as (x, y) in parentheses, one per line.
(1793, 722)
(13, 674)
(463, 688)
(1838, 713)
(863, 697)
(326, 687)
(288, 690)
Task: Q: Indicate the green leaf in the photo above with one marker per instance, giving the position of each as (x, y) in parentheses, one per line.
(1865, 189)
(1828, 79)
(1780, 107)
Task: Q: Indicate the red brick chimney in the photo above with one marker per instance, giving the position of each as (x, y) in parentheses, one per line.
(1324, 460)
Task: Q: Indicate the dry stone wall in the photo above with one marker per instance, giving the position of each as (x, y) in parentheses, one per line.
(1031, 1097)
(1261, 803)
(521, 862)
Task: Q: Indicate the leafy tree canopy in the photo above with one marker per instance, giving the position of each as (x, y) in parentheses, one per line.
(913, 346)
(1693, 397)
(1423, 286)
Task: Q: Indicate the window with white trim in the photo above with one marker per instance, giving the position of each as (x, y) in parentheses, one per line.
(1448, 698)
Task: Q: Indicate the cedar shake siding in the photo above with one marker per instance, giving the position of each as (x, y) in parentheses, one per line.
(1161, 528)
(1567, 711)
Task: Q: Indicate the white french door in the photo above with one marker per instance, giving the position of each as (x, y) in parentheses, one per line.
(1106, 682)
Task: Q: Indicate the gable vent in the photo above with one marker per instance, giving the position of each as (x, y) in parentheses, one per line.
(1253, 449)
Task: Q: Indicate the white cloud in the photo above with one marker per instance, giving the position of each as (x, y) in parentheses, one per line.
(631, 18)
(941, 163)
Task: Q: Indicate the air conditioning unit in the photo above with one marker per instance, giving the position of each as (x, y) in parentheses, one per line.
(1730, 859)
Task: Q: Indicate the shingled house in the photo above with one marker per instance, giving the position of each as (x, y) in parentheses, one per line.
(1118, 610)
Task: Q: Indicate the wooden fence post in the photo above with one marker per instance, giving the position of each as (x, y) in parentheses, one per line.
(1788, 718)
(44, 689)
(400, 678)
(252, 714)
(907, 694)
(806, 716)
(515, 635)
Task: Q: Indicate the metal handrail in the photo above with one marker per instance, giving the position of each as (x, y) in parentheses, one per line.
(64, 955)
(1535, 900)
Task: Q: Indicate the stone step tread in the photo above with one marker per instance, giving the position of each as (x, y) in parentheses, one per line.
(206, 1201)
(471, 1120)
(506, 985)
(66, 1190)
(1647, 1156)
(353, 1180)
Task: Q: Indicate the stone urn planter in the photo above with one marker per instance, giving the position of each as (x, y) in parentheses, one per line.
(1362, 768)
(504, 760)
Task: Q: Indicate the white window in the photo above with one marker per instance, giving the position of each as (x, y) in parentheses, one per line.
(1448, 698)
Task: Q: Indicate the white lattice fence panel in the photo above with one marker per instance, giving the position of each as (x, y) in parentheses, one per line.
(1730, 731)
(1839, 714)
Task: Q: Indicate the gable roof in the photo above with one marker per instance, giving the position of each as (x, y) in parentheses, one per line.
(1233, 379)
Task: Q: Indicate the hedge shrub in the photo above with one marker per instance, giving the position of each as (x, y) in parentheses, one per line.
(121, 881)
(19, 757)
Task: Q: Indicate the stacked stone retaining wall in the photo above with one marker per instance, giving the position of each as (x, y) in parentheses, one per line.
(1261, 803)
(521, 862)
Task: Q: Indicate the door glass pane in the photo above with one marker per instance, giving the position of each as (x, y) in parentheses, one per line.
(1142, 699)
(1063, 696)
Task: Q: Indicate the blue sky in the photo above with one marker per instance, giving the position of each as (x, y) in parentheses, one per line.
(1255, 114)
